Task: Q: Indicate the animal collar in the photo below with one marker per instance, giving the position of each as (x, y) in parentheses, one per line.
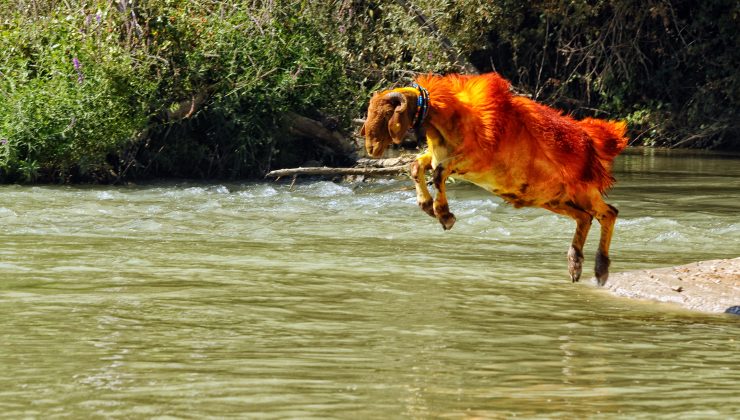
(422, 106)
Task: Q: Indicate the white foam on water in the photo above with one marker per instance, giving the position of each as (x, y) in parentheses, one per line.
(218, 189)
(13, 267)
(258, 191)
(104, 195)
(671, 236)
(6, 212)
(325, 189)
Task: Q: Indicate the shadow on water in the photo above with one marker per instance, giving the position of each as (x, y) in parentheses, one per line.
(345, 300)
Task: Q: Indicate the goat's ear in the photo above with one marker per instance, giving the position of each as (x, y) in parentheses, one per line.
(397, 123)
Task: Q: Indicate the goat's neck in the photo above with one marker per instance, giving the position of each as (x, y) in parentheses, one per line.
(443, 126)
(441, 140)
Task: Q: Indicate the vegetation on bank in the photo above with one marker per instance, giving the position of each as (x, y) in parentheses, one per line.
(115, 90)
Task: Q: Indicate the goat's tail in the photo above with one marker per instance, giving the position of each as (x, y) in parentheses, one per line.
(608, 137)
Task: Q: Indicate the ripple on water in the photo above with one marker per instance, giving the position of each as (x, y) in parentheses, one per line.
(105, 195)
(645, 221)
(649, 228)
(638, 221)
(196, 191)
(383, 203)
(497, 232)
(144, 225)
(478, 220)
(208, 206)
(6, 212)
(255, 191)
(218, 189)
(209, 190)
(12, 267)
(325, 189)
(724, 230)
(473, 206)
(671, 236)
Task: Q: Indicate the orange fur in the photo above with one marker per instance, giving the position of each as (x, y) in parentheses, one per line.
(580, 152)
(525, 152)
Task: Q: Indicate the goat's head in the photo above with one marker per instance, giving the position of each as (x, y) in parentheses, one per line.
(389, 115)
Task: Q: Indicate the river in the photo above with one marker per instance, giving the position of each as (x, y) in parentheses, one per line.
(252, 300)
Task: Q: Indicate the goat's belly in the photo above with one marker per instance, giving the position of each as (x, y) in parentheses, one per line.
(516, 192)
(487, 182)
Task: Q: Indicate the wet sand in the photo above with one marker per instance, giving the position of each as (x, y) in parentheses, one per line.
(707, 286)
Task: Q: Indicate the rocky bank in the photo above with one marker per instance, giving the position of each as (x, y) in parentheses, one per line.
(708, 286)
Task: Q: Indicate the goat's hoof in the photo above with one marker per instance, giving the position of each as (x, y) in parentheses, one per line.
(428, 207)
(602, 268)
(447, 220)
(575, 263)
(602, 278)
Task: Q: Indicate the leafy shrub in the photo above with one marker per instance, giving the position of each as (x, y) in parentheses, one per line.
(70, 97)
(255, 66)
(167, 88)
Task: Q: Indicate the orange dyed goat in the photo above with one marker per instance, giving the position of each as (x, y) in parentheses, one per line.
(525, 152)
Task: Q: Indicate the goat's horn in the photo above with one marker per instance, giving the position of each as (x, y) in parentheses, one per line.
(402, 101)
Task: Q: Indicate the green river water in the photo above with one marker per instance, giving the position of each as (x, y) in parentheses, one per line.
(250, 300)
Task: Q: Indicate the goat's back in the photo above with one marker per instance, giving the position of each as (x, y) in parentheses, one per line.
(581, 151)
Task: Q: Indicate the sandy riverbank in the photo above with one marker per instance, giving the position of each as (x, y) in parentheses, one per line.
(708, 286)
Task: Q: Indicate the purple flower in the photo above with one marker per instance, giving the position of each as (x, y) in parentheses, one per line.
(3, 141)
(98, 17)
(78, 68)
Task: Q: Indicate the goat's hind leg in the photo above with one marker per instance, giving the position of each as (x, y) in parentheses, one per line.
(583, 225)
(607, 216)
(575, 253)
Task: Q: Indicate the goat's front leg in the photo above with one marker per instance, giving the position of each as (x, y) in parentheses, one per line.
(418, 172)
(441, 208)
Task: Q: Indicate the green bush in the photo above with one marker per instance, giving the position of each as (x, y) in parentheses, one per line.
(255, 66)
(70, 97)
(168, 88)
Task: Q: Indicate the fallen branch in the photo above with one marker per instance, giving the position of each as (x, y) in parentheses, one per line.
(307, 127)
(403, 160)
(325, 170)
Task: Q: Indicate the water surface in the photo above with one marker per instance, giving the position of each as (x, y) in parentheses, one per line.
(346, 301)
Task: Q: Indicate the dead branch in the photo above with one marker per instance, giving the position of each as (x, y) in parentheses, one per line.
(403, 160)
(325, 170)
(304, 126)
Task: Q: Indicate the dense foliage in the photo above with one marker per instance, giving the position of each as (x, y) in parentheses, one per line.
(111, 90)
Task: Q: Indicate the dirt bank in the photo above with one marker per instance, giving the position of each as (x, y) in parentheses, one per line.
(708, 286)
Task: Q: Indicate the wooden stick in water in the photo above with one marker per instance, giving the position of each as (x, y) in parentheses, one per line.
(325, 170)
